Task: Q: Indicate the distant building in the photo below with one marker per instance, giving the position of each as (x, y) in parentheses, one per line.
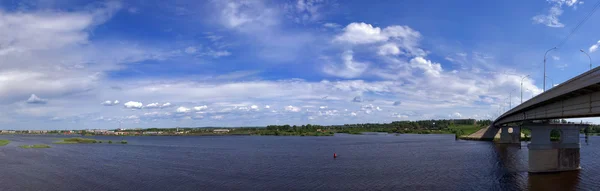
(221, 131)
(37, 131)
(121, 133)
(464, 121)
(7, 132)
(151, 133)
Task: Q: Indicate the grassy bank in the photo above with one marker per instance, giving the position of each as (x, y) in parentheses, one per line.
(79, 140)
(4, 142)
(76, 140)
(37, 146)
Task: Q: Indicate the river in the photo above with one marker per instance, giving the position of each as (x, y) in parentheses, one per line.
(364, 162)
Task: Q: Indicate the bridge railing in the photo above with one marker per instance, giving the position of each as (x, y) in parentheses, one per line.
(586, 79)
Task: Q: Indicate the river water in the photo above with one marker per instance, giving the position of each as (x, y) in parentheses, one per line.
(364, 162)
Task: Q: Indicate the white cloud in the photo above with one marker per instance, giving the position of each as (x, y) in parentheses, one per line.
(594, 47)
(33, 99)
(133, 105)
(200, 108)
(166, 105)
(401, 116)
(555, 58)
(369, 108)
(363, 33)
(389, 49)
(551, 18)
(456, 115)
(430, 68)
(304, 11)
(235, 14)
(217, 117)
(217, 54)
(292, 109)
(182, 110)
(332, 25)
(267, 106)
(349, 69)
(152, 105)
(110, 103)
(191, 50)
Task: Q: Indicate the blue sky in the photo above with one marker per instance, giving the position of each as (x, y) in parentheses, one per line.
(92, 64)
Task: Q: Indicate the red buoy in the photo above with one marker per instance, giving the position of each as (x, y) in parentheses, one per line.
(334, 155)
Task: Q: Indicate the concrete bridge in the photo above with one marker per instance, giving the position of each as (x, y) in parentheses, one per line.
(577, 97)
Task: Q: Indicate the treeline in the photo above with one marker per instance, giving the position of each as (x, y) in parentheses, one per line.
(419, 127)
(592, 129)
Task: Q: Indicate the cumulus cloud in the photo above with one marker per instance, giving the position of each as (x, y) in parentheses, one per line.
(456, 115)
(200, 108)
(369, 108)
(166, 105)
(363, 33)
(389, 49)
(156, 105)
(594, 47)
(110, 103)
(182, 109)
(350, 68)
(133, 105)
(428, 67)
(152, 105)
(292, 109)
(33, 99)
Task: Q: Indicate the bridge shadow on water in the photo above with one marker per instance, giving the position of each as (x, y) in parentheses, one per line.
(513, 172)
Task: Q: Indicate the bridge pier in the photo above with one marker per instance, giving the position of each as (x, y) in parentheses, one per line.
(548, 156)
(510, 135)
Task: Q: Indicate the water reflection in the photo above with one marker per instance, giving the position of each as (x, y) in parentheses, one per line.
(513, 163)
(554, 181)
(512, 166)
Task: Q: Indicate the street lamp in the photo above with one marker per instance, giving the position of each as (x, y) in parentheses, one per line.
(588, 57)
(545, 66)
(551, 81)
(522, 87)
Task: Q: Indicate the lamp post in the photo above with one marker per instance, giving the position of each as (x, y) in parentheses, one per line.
(522, 87)
(551, 81)
(588, 57)
(545, 66)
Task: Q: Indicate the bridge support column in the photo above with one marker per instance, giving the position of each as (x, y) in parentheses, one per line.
(548, 156)
(510, 135)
